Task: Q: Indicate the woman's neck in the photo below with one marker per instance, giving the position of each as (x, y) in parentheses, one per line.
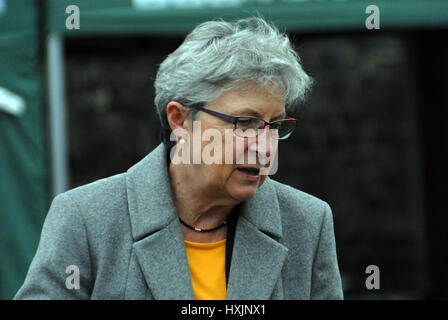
(197, 205)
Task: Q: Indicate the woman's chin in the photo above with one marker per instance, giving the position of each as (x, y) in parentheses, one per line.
(243, 193)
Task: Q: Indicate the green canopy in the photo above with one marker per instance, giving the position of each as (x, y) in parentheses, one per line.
(23, 188)
(180, 16)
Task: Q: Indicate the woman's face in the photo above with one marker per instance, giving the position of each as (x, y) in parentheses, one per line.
(230, 178)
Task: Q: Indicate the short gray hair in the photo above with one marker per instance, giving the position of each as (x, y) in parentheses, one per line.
(218, 56)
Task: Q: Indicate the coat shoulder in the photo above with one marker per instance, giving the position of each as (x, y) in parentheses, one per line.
(100, 203)
(291, 196)
(100, 190)
(297, 206)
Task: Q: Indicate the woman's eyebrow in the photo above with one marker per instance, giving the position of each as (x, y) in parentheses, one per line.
(280, 116)
(252, 112)
(249, 112)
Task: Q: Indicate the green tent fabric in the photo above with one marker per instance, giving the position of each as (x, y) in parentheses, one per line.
(23, 182)
(180, 16)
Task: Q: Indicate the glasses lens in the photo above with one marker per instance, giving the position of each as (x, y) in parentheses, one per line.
(247, 127)
(284, 127)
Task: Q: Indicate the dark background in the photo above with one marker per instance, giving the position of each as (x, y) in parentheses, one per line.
(371, 141)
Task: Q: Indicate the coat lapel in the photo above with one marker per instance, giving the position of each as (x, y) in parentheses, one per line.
(258, 257)
(164, 264)
(158, 239)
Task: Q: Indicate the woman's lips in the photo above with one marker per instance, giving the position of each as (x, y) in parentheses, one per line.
(249, 176)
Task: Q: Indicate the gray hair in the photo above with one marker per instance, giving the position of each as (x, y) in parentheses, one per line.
(218, 56)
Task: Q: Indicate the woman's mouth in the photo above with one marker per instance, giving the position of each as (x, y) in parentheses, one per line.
(250, 173)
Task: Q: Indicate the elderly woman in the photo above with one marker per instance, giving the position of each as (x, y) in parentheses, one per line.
(190, 221)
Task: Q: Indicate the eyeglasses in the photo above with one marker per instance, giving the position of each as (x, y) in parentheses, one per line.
(247, 126)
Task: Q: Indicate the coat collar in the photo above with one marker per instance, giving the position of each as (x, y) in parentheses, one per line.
(158, 238)
(148, 192)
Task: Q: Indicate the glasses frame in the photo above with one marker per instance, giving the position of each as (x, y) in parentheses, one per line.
(234, 119)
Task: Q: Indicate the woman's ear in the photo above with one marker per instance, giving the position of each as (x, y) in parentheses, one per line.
(176, 115)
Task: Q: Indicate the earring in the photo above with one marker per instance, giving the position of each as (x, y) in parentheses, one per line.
(181, 141)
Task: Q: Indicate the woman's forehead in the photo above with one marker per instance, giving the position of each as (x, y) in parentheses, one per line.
(250, 101)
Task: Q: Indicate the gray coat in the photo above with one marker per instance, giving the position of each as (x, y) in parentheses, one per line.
(123, 234)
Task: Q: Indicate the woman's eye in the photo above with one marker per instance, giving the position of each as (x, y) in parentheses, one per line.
(246, 122)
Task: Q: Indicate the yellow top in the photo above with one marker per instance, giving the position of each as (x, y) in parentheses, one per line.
(207, 269)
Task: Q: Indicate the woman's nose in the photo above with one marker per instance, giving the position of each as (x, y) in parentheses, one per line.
(262, 145)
